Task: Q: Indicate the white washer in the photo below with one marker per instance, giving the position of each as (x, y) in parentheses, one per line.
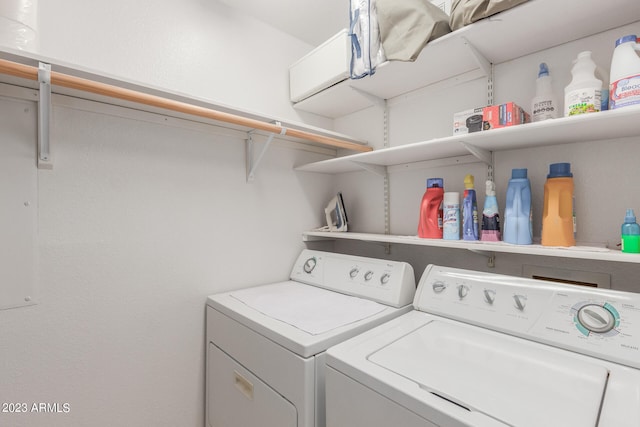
(490, 350)
(266, 344)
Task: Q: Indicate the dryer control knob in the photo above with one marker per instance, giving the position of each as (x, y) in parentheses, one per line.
(596, 318)
(438, 286)
(520, 301)
(354, 272)
(368, 275)
(463, 291)
(309, 265)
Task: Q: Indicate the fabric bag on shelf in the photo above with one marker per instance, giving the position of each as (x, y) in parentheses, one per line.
(465, 12)
(366, 50)
(406, 26)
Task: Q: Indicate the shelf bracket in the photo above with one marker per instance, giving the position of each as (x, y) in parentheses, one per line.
(483, 62)
(375, 169)
(481, 154)
(491, 256)
(375, 100)
(44, 116)
(252, 164)
(485, 65)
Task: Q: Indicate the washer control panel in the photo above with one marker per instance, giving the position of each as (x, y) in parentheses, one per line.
(388, 282)
(597, 322)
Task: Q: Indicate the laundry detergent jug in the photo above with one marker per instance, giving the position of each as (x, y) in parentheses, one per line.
(624, 87)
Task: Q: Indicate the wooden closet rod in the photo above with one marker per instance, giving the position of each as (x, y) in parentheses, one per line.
(58, 79)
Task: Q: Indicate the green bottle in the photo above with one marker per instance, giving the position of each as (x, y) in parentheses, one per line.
(630, 231)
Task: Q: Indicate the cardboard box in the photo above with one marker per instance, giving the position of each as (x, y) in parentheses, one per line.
(503, 115)
(468, 121)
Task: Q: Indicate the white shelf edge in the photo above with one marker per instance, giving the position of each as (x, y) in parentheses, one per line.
(605, 125)
(576, 252)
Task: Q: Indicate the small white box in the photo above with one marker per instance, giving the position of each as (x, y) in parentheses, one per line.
(468, 121)
(324, 66)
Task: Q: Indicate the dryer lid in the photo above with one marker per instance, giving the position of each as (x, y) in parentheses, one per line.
(308, 308)
(512, 380)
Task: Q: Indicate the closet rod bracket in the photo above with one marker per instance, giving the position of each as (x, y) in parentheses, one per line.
(44, 116)
(252, 164)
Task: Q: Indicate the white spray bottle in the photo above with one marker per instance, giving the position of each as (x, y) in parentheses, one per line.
(544, 105)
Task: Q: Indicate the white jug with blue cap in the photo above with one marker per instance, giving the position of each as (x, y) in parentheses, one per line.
(624, 87)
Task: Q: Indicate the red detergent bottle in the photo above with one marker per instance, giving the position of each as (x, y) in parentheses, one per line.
(430, 224)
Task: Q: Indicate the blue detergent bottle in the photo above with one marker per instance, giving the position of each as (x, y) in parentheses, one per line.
(517, 228)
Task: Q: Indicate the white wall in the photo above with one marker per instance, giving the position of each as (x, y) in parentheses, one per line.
(201, 48)
(143, 216)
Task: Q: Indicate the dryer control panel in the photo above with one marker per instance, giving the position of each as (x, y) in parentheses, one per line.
(388, 282)
(597, 322)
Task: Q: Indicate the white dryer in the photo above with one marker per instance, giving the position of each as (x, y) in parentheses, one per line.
(266, 344)
(491, 350)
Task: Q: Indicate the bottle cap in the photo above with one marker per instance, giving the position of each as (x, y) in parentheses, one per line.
(518, 173)
(451, 198)
(626, 39)
(630, 217)
(468, 182)
(544, 70)
(435, 182)
(491, 188)
(584, 54)
(559, 170)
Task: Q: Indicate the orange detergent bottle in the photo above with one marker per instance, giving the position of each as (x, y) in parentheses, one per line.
(558, 214)
(430, 223)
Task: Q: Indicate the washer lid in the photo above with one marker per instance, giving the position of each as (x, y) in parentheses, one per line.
(511, 380)
(313, 310)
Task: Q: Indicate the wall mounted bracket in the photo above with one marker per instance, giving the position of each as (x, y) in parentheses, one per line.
(491, 256)
(483, 155)
(485, 65)
(377, 101)
(44, 116)
(252, 164)
(374, 169)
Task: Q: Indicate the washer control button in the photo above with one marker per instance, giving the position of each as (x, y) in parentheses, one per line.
(309, 265)
(463, 291)
(489, 296)
(385, 278)
(520, 301)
